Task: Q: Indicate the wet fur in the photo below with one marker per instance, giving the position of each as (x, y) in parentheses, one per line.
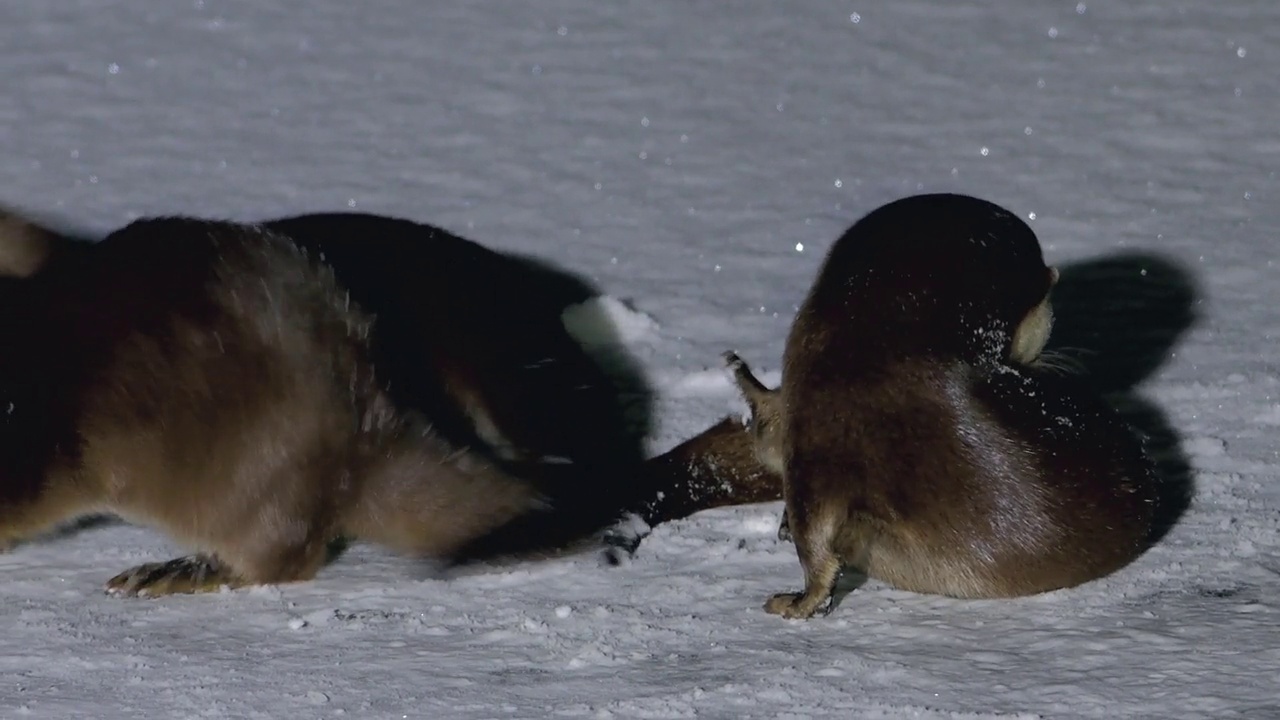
(215, 382)
(917, 445)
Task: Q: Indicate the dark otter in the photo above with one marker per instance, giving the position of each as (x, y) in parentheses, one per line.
(916, 439)
(214, 381)
(504, 369)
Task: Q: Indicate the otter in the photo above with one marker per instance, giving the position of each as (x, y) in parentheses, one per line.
(917, 437)
(473, 340)
(214, 381)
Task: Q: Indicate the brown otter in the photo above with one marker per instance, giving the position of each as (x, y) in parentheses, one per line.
(916, 439)
(471, 340)
(214, 381)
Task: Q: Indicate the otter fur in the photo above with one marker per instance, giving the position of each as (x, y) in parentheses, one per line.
(213, 380)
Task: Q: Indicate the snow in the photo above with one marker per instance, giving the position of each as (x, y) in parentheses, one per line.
(695, 160)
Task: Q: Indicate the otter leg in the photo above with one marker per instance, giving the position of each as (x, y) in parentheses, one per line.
(187, 574)
(202, 573)
(815, 545)
(289, 544)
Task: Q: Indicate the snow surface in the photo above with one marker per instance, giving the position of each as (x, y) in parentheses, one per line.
(694, 159)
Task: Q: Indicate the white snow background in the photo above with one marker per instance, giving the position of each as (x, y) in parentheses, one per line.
(694, 159)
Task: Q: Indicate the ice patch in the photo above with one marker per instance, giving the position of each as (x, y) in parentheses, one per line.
(606, 321)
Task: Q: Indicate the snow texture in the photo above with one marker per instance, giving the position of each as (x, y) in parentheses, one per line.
(695, 160)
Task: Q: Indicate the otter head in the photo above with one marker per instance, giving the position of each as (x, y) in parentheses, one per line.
(1007, 315)
(939, 274)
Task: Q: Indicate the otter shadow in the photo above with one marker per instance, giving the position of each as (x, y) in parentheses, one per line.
(1118, 318)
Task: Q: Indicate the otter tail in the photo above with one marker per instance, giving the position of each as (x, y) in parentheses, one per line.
(716, 468)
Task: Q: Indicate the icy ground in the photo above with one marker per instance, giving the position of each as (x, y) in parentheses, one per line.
(694, 159)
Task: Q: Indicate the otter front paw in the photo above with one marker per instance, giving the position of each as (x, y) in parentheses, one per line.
(794, 606)
(188, 574)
